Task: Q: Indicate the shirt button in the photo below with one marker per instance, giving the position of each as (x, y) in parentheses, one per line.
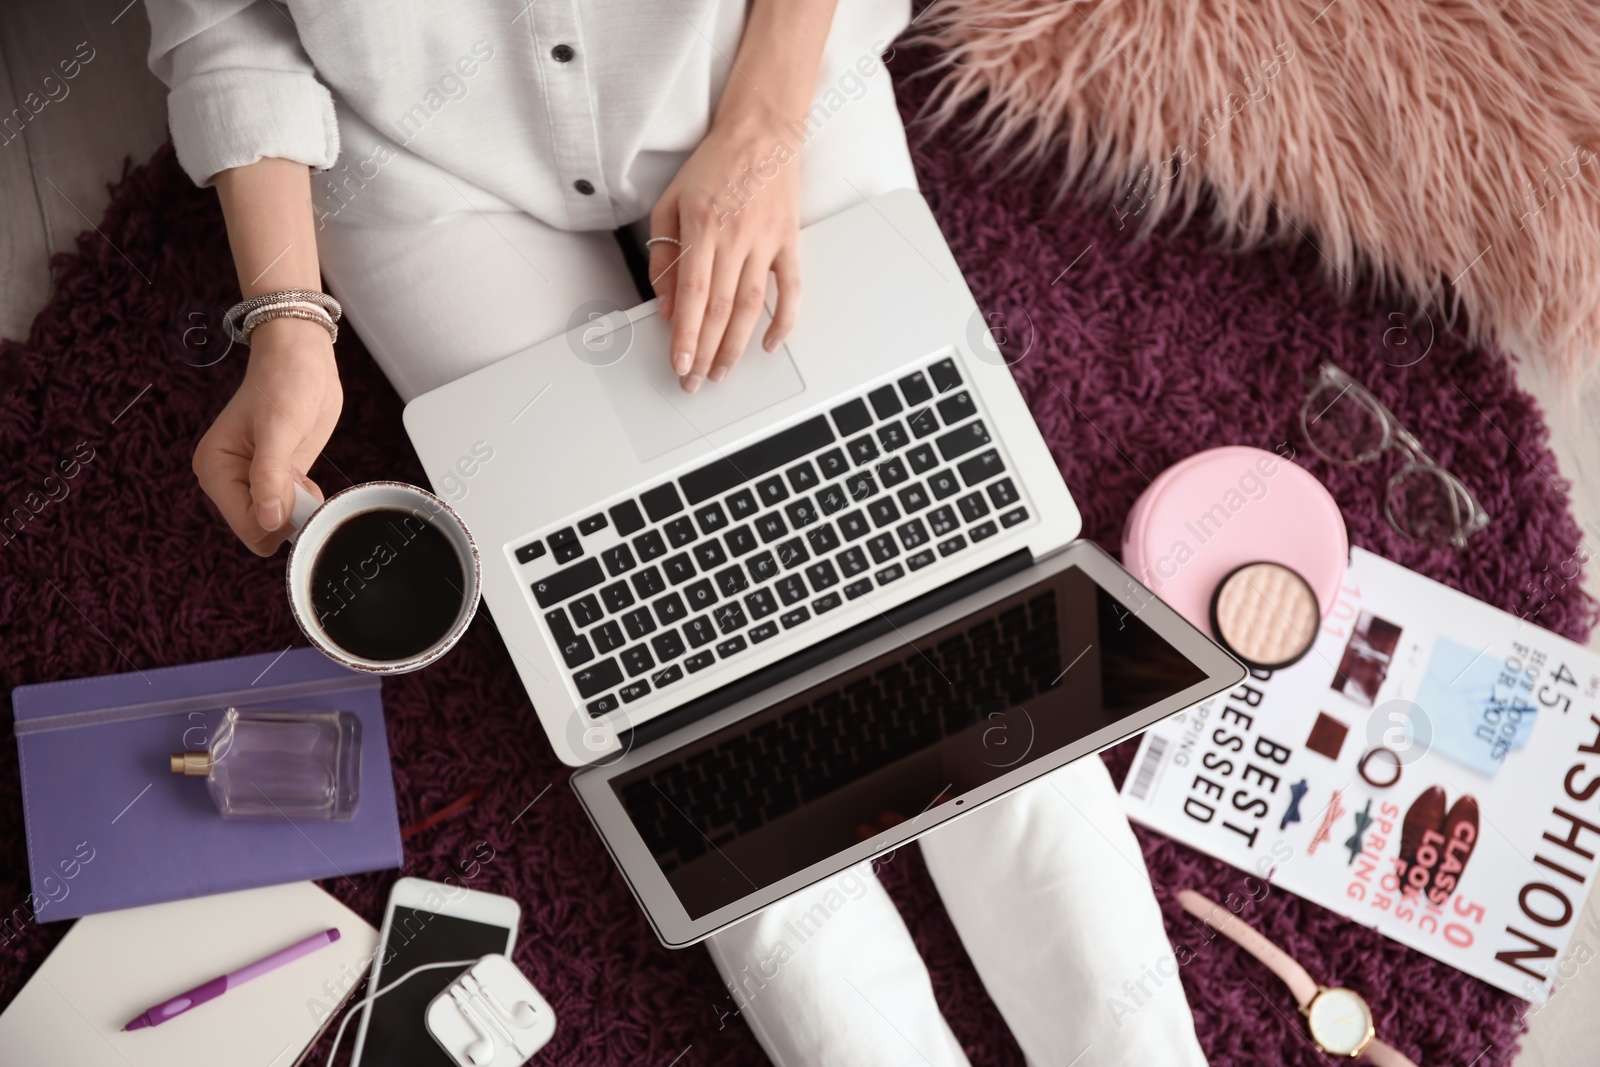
(562, 53)
(584, 186)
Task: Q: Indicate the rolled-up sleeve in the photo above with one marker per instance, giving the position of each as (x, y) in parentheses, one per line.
(241, 87)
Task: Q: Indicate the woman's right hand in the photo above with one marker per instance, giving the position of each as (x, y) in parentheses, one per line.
(271, 432)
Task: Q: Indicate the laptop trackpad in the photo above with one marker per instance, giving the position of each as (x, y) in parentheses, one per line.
(655, 412)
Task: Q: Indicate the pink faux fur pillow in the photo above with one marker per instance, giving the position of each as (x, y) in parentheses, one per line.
(1444, 151)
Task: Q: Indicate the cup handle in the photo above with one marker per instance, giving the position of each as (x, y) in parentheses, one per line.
(304, 505)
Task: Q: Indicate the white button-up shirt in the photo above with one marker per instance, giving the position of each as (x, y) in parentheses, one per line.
(578, 112)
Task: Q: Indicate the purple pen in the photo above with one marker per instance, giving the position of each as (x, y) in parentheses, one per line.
(217, 986)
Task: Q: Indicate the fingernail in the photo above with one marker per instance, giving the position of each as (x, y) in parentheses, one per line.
(681, 363)
(692, 383)
(718, 373)
(270, 513)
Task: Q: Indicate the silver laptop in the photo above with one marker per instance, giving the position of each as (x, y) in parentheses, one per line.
(796, 619)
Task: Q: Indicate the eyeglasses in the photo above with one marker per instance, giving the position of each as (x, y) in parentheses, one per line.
(1346, 424)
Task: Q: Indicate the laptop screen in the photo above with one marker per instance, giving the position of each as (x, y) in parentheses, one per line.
(877, 745)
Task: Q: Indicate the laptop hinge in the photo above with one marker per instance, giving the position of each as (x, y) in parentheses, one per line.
(819, 653)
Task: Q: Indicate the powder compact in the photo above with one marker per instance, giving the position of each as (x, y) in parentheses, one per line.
(1265, 614)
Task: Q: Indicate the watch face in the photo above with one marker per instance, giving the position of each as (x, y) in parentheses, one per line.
(1340, 1021)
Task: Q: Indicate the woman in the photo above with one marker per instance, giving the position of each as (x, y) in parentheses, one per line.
(454, 172)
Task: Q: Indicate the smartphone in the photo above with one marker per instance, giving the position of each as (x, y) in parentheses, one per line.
(426, 922)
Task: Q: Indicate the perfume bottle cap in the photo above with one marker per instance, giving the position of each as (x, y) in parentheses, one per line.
(194, 764)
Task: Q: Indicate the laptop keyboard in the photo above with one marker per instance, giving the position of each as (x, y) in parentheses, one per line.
(771, 537)
(841, 734)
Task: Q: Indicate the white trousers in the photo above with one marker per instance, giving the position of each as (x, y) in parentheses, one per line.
(1046, 887)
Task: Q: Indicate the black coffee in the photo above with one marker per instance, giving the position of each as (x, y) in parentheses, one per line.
(387, 584)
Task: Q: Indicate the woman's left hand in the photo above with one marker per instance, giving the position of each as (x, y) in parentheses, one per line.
(735, 206)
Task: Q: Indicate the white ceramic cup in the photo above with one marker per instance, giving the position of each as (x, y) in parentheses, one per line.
(311, 524)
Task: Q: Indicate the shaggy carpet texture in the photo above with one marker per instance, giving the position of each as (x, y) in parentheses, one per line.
(1138, 354)
(1434, 148)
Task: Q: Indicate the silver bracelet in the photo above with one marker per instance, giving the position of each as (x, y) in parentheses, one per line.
(297, 309)
(233, 320)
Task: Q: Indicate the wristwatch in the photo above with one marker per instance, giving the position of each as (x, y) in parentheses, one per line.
(1339, 1019)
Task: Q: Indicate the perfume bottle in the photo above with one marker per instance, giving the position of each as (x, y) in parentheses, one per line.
(281, 764)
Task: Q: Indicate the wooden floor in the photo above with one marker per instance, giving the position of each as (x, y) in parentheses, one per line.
(53, 181)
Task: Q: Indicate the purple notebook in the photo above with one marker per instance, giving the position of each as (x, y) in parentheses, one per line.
(109, 826)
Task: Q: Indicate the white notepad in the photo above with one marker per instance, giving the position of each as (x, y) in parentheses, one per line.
(112, 966)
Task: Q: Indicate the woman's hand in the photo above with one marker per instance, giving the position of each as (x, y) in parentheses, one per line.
(735, 208)
(272, 430)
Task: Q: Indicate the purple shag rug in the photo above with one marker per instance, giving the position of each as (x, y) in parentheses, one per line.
(1141, 353)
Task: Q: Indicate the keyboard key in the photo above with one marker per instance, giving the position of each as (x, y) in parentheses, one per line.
(678, 568)
(700, 595)
(963, 439)
(913, 498)
(627, 519)
(597, 679)
(560, 626)
(955, 408)
(617, 597)
(883, 548)
(981, 468)
(636, 660)
(826, 603)
(792, 589)
(943, 520)
(945, 375)
(586, 610)
(740, 540)
(1010, 518)
(578, 578)
(923, 422)
(576, 651)
(832, 463)
(883, 512)
(1003, 493)
(730, 617)
(711, 518)
(822, 540)
(649, 545)
(761, 603)
(915, 389)
(851, 417)
(853, 524)
(978, 533)
(680, 532)
(922, 459)
(889, 574)
(801, 513)
(530, 552)
(668, 646)
(638, 623)
(944, 484)
(634, 690)
(772, 491)
(913, 534)
(699, 661)
(607, 637)
(763, 457)
(699, 630)
(770, 526)
(648, 583)
(803, 476)
(973, 507)
(667, 677)
(605, 705)
(893, 436)
(855, 589)
(709, 554)
(617, 560)
(731, 646)
(860, 486)
(661, 501)
(669, 609)
(822, 575)
(732, 581)
(593, 524)
(954, 544)
(763, 567)
(885, 401)
(794, 618)
(832, 499)
(792, 553)
(893, 472)
(742, 505)
(762, 632)
(569, 552)
(863, 450)
(920, 560)
(564, 536)
(852, 561)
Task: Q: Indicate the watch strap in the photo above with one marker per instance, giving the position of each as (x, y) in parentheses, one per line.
(1246, 937)
(1382, 1055)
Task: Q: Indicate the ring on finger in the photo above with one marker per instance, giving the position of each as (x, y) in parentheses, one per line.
(663, 240)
